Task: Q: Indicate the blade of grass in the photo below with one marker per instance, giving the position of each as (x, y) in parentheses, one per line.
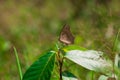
(113, 49)
(116, 39)
(18, 63)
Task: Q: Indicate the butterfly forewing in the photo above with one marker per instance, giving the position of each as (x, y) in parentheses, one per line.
(66, 36)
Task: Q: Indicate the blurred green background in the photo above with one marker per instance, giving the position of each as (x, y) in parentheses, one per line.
(33, 26)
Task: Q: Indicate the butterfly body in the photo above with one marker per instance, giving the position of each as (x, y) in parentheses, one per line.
(66, 36)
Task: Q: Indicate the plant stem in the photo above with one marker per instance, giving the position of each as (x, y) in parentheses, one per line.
(61, 63)
(92, 75)
(60, 60)
(18, 63)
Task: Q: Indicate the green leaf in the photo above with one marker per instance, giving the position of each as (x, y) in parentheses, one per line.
(55, 74)
(42, 68)
(68, 76)
(90, 59)
(117, 60)
(73, 47)
(102, 77)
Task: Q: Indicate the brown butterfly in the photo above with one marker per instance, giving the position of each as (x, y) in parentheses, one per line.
(66, 36)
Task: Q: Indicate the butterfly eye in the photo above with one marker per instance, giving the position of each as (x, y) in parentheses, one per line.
(66, 36)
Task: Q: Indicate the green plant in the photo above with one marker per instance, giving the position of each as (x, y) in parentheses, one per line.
(95, 61)
(18, 63)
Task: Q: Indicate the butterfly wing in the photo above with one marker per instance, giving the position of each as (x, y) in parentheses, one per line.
(66, 36)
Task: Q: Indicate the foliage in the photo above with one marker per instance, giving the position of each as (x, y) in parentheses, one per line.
(42, 68)
(33, 27)
(89, 59)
